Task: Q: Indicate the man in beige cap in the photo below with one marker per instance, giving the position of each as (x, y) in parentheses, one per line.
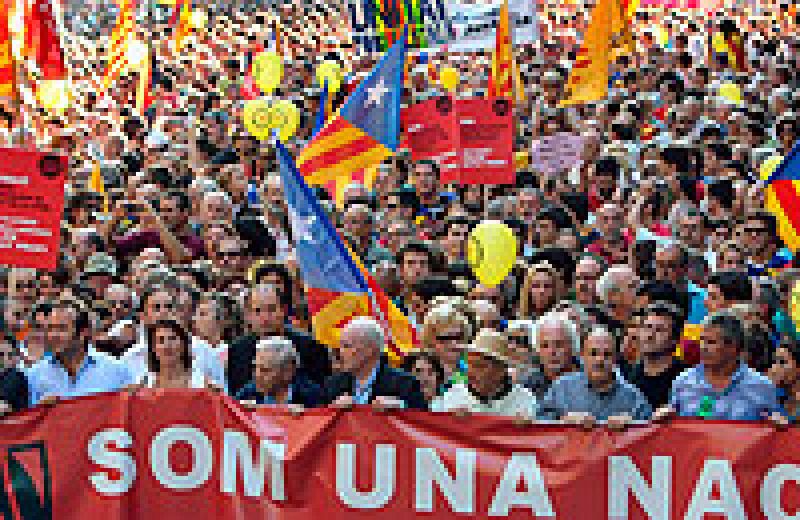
(489, 388)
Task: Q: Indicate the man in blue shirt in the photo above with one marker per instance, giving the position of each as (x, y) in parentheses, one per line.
(722, 386)
(68, 370)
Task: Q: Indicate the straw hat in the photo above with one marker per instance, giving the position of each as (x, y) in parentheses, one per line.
(493, 344)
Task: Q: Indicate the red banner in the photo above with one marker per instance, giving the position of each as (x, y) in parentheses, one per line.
(471, 139)
(190, 454)
(31, 205)
(431, 132)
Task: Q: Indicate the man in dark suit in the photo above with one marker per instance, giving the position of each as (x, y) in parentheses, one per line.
(366, 377)
(266, 310)
(276, 379)
(13, 384)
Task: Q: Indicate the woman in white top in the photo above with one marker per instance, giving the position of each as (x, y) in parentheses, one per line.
(169, 359)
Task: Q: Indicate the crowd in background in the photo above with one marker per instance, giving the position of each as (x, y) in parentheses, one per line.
(650, 280)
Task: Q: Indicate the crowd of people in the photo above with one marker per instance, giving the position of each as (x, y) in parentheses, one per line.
(651, 281)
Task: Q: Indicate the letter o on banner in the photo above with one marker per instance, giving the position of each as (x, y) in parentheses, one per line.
(202, 457)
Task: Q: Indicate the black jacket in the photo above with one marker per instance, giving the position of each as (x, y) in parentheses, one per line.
(315, 361)
(388, 383)
(14, 389)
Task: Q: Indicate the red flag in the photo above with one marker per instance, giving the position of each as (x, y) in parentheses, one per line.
(44, 41)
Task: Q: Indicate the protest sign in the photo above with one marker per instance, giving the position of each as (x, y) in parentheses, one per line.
(180, 454)
(376, 24)
(486, 141)
(431, 132)
(557, 153)
(31, 206)
(473, 23)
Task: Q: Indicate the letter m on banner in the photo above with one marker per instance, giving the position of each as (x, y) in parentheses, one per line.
(25, 483)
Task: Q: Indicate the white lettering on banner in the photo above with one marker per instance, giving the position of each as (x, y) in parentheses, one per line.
(261, 462)
(112, 459)
(14, 179)
(730, 501)
(458, 490)
(382, 489)
(236, 450)
(535, 497)
(771, 491)
(624, 478)
(202, 457)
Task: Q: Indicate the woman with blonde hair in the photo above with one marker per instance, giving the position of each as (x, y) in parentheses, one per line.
(541, 290)
(446, 331)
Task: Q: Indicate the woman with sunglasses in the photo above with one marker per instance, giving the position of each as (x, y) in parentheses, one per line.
(445, 331)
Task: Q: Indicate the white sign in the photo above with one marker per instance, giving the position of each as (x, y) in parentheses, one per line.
(474, 24)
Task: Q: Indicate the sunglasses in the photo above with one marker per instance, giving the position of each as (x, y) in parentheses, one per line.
(448, 339)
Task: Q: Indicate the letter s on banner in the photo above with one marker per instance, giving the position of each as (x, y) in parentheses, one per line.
(112, 459)
(383, 489)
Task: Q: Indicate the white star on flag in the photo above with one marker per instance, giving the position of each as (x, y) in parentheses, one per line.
(302, 227)
(376, 93)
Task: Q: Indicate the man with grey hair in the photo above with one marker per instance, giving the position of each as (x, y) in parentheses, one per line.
(276, 378)
(597, 392)
(556, 343)
(617, 290)
(366, 377)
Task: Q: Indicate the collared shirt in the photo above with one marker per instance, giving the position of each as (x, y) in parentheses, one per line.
(362, 393)
(748, 397)
(573, 393)
(269, 399)
(48, 377)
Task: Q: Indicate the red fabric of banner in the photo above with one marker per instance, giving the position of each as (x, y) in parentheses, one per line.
(191, 454)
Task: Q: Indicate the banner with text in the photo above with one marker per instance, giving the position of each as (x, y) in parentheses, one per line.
(473, 23)
(192, 454)
(31, 206)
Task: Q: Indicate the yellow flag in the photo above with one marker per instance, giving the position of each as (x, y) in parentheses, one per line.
(607, 36)
(97, 185)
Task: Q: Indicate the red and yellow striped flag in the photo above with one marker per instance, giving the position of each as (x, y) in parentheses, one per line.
(607, 36)
(505, 78)
(183, 28)
(119, 43)
(8, 84)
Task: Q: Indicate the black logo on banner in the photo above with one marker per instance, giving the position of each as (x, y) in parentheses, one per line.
(24, 469)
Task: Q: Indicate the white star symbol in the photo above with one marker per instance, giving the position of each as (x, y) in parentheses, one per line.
(302, 226)
(376, 93)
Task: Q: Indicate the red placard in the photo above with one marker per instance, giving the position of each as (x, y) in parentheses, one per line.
(431, 132)
(31, 206)
(157, 454)
(486, 141)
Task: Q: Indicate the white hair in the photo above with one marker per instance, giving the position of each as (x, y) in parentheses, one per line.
(218, 194)
(370, 328)
(127, 290)
(281, 348)
(555, 319)
(610, 279)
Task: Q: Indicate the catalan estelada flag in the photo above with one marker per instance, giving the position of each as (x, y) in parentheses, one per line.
(338, 287)
(119, 43)
(366, 130)
(8, 72)
(607, 36)
(782, 198)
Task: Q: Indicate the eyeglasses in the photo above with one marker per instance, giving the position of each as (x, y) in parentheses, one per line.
(166, 306)
(448, 339)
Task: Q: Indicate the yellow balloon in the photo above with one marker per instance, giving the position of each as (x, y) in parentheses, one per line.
(257, 115)
(731, 92)
(769, 166)
(331, 72)
(491, 252)
(268, 71)
(198, 19)
(285, 118)
(449, 78)
(53, 95)
(718, 43)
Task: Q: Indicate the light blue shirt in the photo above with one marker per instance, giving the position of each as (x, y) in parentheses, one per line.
(749, 396)
(361, 394)
(96, 374)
